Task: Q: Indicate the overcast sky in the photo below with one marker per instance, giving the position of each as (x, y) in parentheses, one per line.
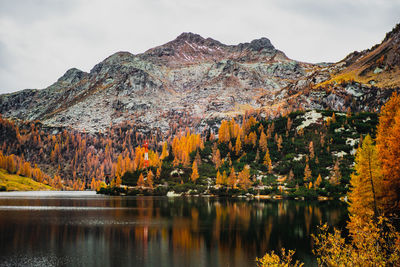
(41, 39)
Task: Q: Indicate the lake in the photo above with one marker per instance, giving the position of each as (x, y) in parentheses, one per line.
(85, 229)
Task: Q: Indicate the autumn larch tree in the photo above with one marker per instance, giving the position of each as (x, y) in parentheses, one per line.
(218, 180)
(279, 143)
(267, 161)
(263, 142)
(244, 177)
(223, 132)
(307, 173)
(232, 178)
(337, 176)
(238, 145)
(164, 152)
(388, 145)
(149, 180)
(195, 172)
(217, 159)
(318, 181)
(311, 149)
(365, 182)
(140, 181)
(224, 177)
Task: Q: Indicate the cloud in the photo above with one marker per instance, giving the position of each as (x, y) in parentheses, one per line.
(41, 39)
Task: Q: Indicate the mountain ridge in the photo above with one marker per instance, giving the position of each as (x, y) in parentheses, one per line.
(192, 80)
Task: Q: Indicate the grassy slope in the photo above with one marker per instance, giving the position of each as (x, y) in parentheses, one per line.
(14, 182)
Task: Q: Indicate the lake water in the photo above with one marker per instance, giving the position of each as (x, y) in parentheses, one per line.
(84, 229)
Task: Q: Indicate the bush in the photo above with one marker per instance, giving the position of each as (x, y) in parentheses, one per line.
(304, 192)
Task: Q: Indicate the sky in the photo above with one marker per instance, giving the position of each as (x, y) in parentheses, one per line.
(41, 39)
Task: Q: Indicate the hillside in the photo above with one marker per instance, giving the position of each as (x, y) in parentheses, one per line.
(13, 182)
(378, 66)
(310, 154)
(88, 128)
(192, 81)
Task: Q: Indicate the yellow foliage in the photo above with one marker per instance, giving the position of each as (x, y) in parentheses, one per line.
(195, 172)
(307, 173)
(373, 244)
(140, 181)
(365, 182)
(14, 182)
(238, 145)
(388, 145)
(285, 260)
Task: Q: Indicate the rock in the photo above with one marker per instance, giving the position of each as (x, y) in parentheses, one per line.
(190, 80)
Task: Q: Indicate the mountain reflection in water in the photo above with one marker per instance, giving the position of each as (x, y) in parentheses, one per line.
(156, 231)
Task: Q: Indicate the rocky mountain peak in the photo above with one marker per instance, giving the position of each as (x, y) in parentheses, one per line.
(72, 75)
(394, 33)
(260, 44)
(197, 80)
(191, 37)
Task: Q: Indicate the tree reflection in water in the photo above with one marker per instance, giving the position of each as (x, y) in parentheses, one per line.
(158, 231)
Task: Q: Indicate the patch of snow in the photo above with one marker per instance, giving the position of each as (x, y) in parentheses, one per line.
(339, 154)
(338, 130)
(176, 171)
(353, 91)
(173, 194)
(367, 119)
(298, 157)
(351, 141)
(310, 118)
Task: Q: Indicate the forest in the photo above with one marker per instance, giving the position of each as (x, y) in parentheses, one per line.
(302, 155)
(371, 237)
(305, 154)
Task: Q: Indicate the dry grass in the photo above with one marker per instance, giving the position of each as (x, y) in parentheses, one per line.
(13, 182)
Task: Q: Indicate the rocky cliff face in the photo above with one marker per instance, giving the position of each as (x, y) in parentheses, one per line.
(189, 81)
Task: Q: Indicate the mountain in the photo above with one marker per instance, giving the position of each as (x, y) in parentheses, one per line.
(193, 81)
(379, 66)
